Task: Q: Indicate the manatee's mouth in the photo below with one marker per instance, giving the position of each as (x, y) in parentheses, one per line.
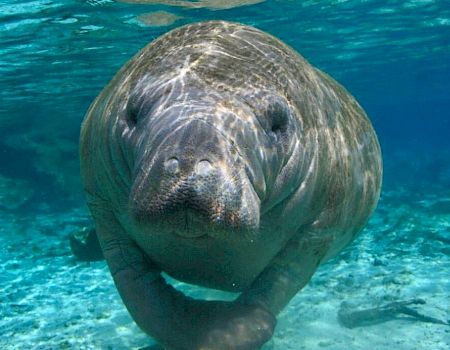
(194, 221)
(184, 210)
(188, 224)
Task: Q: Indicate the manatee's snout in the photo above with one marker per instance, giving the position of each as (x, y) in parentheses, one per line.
(193, 181)
(202, 167)
(194, 151)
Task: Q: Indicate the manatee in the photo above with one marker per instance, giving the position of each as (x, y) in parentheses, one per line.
(219, 156)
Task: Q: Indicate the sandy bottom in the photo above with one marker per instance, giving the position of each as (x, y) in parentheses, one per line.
(48, 300)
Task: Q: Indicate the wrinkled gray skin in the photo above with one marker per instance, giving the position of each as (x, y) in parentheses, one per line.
(221, 157)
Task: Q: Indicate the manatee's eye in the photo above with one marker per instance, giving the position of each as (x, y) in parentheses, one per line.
(278, 119)
(131, 117)
(138, 107)
(132, 111)
(143, 100)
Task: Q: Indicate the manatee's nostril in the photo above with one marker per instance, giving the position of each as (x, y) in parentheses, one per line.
(172, 166)
(203, 167)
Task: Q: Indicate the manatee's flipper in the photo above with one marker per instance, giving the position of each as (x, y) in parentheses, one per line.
(177, 322)
(85, 245)
(232, 326)
(289, 271)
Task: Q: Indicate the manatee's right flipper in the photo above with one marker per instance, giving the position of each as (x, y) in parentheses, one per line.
(85, 245)
(173, 319)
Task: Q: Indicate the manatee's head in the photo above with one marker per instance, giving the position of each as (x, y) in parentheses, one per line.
(194, 181)
(213, 151)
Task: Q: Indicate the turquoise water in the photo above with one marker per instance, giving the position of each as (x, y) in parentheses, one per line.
(393, 56)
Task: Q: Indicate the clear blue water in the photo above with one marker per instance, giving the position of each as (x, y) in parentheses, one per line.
(393, 56)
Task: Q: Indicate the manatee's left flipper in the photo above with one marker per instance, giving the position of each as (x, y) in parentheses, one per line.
(289, 271)
(85, 245)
